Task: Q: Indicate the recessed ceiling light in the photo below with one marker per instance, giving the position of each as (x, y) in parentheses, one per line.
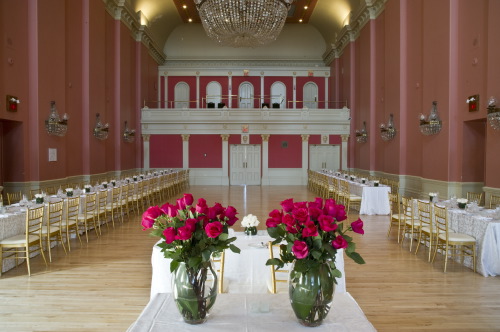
(305, 7)
(190, 20)
(184, 6)
(300, 20)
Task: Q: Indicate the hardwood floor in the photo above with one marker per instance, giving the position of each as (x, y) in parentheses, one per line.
(104, 286)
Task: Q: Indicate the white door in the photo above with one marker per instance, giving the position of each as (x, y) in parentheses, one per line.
(214, 93)
(181, 95)
(245, 164)
(324, 157)
(246, 95)
(310, 95)
(278, 94)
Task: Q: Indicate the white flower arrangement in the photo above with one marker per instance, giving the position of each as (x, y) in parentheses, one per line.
(104, 183)
(433, 194)
(470, 99)
(363, 180)
(462, 200)
(250, 221)
(376, 181)
(69, 190)
(87, 186)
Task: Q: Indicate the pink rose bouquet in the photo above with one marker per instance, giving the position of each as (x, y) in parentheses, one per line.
(310, 233)
(191, 233)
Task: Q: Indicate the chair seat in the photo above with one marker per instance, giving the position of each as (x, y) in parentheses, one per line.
(428, 230)
(354, 197)
(45, 229)
(64, 223)
(82, 216)
(19, 239)
(398, 217)
(457, 237)
(416, 222)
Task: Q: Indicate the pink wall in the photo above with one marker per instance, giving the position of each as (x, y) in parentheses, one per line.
(285, 157)
(165, 151)
(205, 151)
(473, 150)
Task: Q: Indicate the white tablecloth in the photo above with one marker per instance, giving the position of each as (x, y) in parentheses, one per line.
(245, 272)
(251, 312)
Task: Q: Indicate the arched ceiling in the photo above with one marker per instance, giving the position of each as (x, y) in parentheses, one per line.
(327, 16)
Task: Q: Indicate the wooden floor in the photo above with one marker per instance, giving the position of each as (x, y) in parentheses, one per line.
(105, 285)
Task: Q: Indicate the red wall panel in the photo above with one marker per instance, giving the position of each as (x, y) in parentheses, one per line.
(205, 151)
(165, 151)
(285, 157)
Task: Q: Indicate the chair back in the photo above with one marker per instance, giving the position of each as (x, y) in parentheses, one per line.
(441, 219)
(115, 197)
(424, 214)
(219, 268)
(274, 271)
(55, 215)
(72, 209)
(14, 197)
(395, 205)
(494, 201)
(34, 219)
(90, 204)
(475, 197)
(102, 200)
(407, 207)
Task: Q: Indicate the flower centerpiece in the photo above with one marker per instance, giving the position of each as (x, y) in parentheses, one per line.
(309, 235)
(250, 222)
(432, 196)
(39, 198)
(190, 235)
(363, 180)
(376, 183)
(87, 188)
(142, 176)
(135, 177)
(69, 192)
(104, 185)
(127, 180)
(462, 202)
(353, 178)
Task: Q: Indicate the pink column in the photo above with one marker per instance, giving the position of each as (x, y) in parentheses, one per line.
(454, 164)
(352, 102)
(117, 126)
(33, 120)
(403, 87)
(373, 131)
(85, 87)
(138, 95)
(337, 82)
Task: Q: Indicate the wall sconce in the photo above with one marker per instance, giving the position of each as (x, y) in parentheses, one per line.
(11, 103)
(493, 113)
(362, 135)
(100, 131)
(432, 125)
(54, 124)
(128, 134)
(388, 132)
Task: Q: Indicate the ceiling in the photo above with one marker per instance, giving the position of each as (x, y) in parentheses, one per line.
(327, 16)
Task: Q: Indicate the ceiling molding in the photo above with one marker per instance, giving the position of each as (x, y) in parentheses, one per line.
(349, 33)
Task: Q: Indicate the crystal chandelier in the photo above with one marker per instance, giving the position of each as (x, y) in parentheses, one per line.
(100, 131)
(431, 125)
(388, 132)
(493, 113)
(243, 23)
(128, 134)
(54, 124)
(362, 135)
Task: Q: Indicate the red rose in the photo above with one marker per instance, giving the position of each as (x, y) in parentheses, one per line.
(271, 223)
(314, 212)
(181, 203)
(300, 249)
(191, 224)
(287, 205)
(276, 215)
(310, 229)
(357, 226)
(183, 233)
(188, 199)
(149, 216)
(169, 209)
(213, 229)
(202, 207)
(327, 223)
(301, 214)
(169, 234)
(339, 243)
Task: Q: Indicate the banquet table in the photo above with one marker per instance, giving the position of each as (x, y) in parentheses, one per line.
(245, 272)
(250, 312)
(484, 226)
(374, 200)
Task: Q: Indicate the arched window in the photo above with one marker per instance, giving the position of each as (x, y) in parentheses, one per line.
(245, 95)
(278, 95)
(214, 93)
(310, 95)
(181, 95)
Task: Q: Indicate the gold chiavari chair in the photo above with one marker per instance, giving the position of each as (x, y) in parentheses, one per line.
(396, 217)
(348, 199)
(125, 200)
(33, 192)
(494, 201)
(412, 223)
(102, 201)
(51, 190)
(146, 193)
(274, 271)
(70, 223)
(24, 245)
(475, 197)
(219, 261)
(136, 196)
(427, 231)
(87, 219)
(115, 206)
(451, 243)
(52, 230)
(14, 197)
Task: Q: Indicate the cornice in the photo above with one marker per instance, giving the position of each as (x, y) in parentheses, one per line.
(243, 63)
(122, 10)
(349, 33)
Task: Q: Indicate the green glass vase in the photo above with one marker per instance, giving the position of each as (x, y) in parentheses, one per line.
(251, 230)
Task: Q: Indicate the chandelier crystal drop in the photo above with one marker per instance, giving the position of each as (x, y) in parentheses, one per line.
(55, 125)
(362, 135)
(432, 125)
(388, 132)
(243, 23)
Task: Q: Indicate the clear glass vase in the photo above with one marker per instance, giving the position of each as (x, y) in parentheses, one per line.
(311, 294)
(194, 292)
